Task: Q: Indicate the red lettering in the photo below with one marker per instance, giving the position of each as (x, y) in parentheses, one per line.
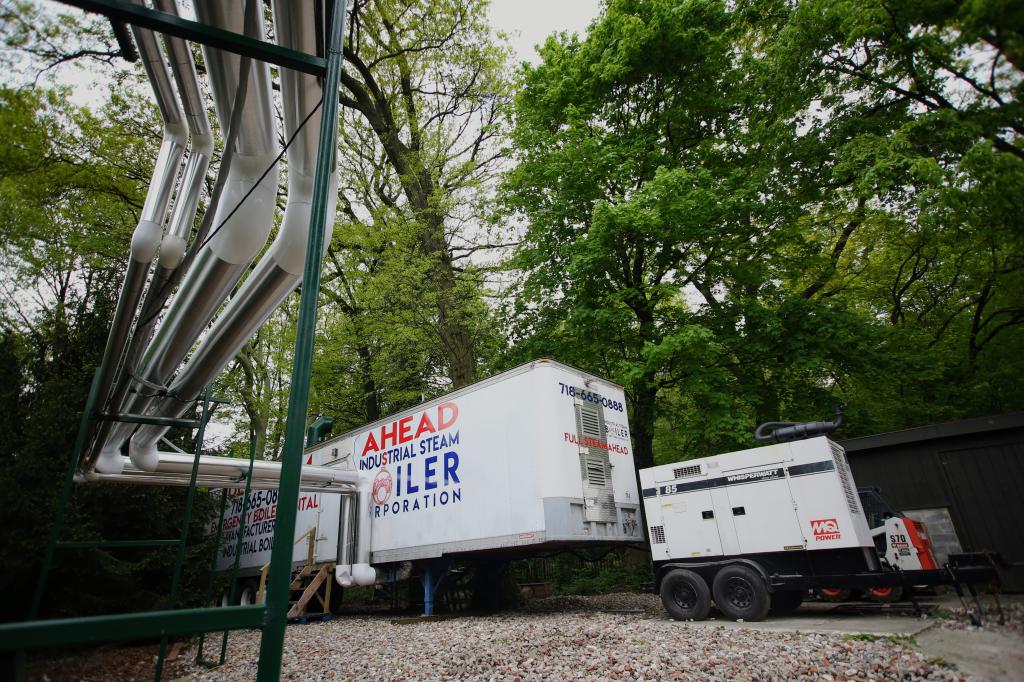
(443, 421)
(391, 435)
(404, 429)
(371, 444)
(425, 426)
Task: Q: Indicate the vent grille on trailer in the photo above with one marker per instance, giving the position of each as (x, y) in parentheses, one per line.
(845, 477)
(657, 535)
(591, 423)
(595, 473)
(687, 471)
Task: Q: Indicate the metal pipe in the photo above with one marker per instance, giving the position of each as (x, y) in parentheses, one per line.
(279, 272)
(146, 238)
(201, 147)
(175, 469)
(243, 217)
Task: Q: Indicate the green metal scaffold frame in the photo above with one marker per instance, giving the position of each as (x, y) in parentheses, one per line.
(271, 617)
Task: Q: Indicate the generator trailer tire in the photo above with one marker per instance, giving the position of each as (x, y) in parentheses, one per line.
(884, 595)
(741, 594)
(685, 595)
(834, 594)
(787, 600)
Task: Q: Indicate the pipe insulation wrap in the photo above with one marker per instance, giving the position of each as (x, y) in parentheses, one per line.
(236, 241)
(239, 238)
(279, 272)
(146, 237)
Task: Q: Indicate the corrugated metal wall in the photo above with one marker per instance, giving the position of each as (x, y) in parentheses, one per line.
(974, 468)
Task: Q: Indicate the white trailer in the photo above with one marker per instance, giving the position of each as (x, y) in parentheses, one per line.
(533, 459)
(756, 529)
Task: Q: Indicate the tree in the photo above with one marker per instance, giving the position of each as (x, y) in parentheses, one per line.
(427, 78)
(70, 185)
(737, 222)
(913, 113)
(640, 197)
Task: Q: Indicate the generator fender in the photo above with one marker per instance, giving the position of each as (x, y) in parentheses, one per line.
(708, 569)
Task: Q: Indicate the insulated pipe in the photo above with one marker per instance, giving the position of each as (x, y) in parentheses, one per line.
(360, 572)
(280, 270)
(146, 238)
(176, 469)
(242, 221)
(172, 249)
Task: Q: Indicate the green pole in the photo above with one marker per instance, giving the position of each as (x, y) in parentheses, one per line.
(238, 540)
(272, 642)
(186, 521)
(213, 568)
(62, 502)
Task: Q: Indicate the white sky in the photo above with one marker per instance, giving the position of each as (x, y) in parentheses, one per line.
(527, 22)
(530, 22)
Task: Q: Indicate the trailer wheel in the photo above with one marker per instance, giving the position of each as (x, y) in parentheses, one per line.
(787, 600)
(886, 594)
(685, 595)
(833, 593)
(741, 594)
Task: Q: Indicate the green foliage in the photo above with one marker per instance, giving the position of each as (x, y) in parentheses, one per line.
(620, 570)
(69, 188)
(770, 221)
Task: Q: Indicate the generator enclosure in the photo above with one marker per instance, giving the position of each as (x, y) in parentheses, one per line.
(789, 497)
(537, 457)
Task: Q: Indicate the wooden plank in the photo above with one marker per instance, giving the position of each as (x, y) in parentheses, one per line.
(299, 607)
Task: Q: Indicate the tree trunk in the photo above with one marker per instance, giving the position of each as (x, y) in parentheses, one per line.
(641, 419)
(371, 403)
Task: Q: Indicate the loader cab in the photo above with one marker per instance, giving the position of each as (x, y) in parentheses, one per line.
(876, 509)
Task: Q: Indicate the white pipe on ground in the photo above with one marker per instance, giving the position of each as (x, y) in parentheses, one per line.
(279, 272)
(174, 468)
(242, 222)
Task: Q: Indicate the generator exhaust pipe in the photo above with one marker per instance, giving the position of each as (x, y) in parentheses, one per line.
(784, 432)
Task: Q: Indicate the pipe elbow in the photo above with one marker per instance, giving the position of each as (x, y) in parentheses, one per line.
(145, 241)
(110, 460)
(243, 234)
(176, 131)
(143, 453)
(289, 249)
(343, 576)
(202, 143)
(172, 251)
(363, 574)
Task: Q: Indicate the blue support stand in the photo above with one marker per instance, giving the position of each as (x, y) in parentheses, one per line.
(434, 572)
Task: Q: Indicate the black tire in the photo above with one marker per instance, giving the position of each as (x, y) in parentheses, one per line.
(834, 594)
(741, 594)
(787, 600)
(884, 595)
(685, 595)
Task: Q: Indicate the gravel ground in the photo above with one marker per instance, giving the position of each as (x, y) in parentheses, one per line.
(569, 638)
(615, 636)
(1013, 618)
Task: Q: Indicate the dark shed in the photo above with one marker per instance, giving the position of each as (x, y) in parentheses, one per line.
(964, 479)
